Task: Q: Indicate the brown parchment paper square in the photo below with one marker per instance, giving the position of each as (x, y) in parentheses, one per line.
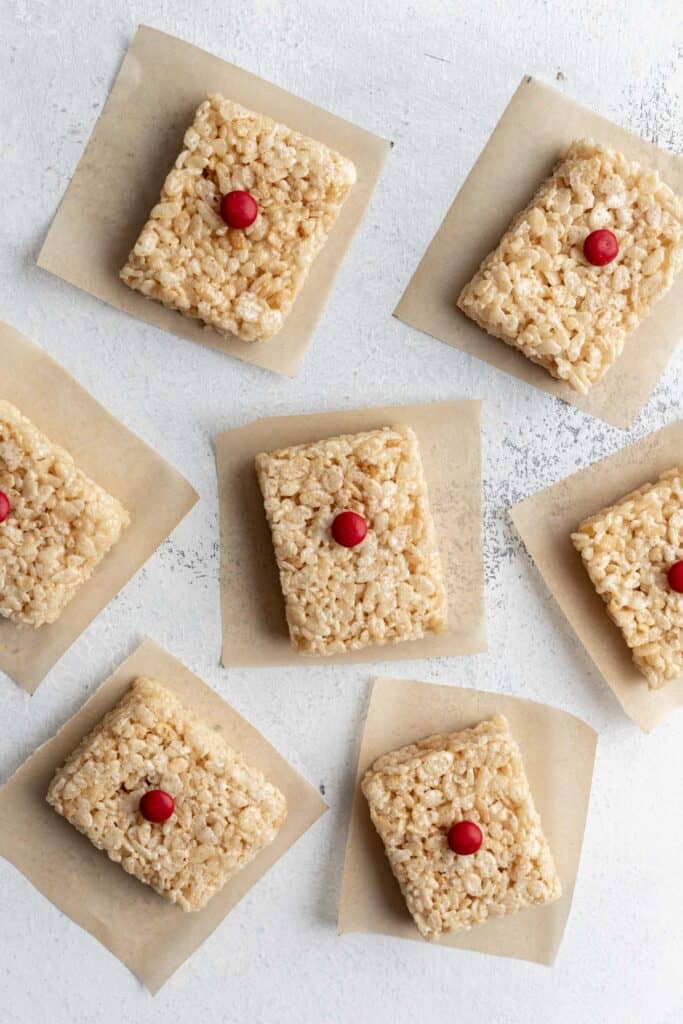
(117, 460)
(252, 607)
(545, 522)
(536, 125)
(151, 936)
(133, 146)
(558, 751)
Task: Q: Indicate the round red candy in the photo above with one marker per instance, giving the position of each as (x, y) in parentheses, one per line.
(675, 577)
(157, 805)
(239, 209)
(465, 838)
(601, 247)
(349, 529)
(5, 507)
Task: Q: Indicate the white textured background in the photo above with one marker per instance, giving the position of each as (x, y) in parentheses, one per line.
(433, 76)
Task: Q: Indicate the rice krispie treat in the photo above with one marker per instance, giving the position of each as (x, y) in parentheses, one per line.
(460, 829)
(354, 541)
(56, 525)
(166, 797)
(241, 217)
(633, 553)
(579, 268)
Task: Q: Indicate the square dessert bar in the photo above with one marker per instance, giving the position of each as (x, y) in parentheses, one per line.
(241, 281)
(386, 588)
(59, 524)
(538, 292)
(224, 811)
(628, 550)
(418, 793)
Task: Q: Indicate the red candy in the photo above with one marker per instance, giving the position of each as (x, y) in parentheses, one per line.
(5, 507)
(675, 577)
(349, 529)
(601, 247)
(465, 838)
(157, 805)
(239, 209)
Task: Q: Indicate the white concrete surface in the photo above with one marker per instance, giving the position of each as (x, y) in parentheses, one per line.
(433, 76)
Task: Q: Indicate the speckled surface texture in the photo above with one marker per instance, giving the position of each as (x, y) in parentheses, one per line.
(434, 77)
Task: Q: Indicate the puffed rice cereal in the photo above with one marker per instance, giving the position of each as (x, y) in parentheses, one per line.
(241, 282)
(60, 527)
(225, 810)
(536, 290)
(388, 588)
(417, 793)
(627, 550)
